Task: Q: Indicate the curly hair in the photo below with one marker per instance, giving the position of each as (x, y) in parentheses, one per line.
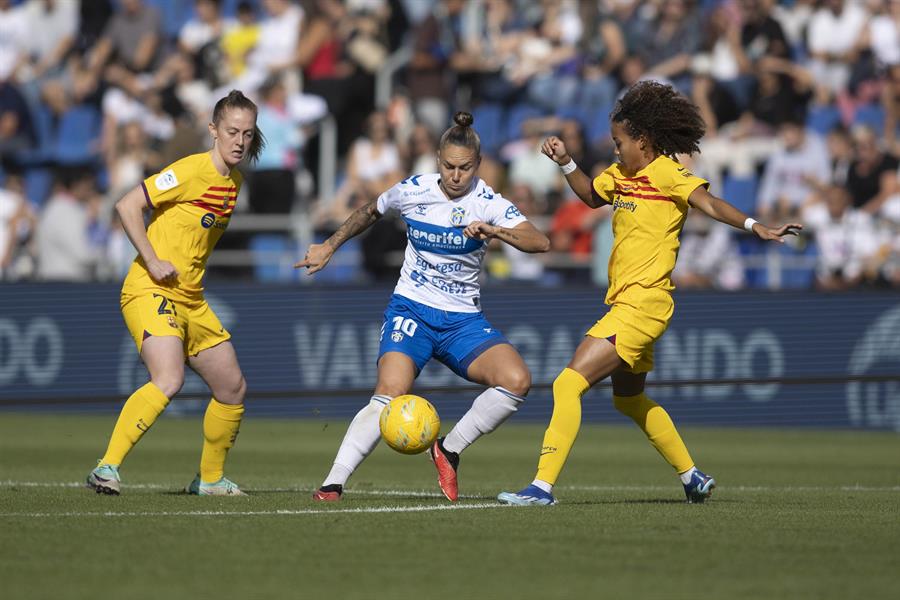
(669, 122)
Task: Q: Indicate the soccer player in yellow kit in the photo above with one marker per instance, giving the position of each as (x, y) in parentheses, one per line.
(650, 193)
(162, 300)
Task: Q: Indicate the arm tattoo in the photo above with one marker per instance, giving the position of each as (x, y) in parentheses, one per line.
(361, 219)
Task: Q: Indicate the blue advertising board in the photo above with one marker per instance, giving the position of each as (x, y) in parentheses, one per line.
(750, 358)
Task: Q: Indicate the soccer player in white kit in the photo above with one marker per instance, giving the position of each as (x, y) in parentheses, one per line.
(435, 311)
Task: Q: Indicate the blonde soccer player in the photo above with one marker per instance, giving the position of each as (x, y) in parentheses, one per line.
(650, 193)
(162, 301)
(435, 311)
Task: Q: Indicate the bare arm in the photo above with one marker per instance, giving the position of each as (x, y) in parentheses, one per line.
(131, 211)
(318, 255)
(524, 236)
(555, 149)
(721, 211)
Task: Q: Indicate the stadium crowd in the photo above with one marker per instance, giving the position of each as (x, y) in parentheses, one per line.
(800, 98)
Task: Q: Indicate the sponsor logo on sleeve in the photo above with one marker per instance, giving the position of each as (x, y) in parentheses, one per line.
(166, 180)
(513, 212)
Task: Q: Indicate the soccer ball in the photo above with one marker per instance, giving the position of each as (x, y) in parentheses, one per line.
(409, 424)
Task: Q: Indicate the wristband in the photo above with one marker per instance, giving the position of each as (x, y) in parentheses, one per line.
(569, 167)
(748, 224)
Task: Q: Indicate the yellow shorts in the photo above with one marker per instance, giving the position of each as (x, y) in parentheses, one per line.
(633, 326)
(154, 314)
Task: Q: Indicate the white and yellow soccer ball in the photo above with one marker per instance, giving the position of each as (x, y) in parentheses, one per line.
(409, 424)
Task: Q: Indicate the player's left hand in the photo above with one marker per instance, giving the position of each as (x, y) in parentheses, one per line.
(777, 233)
(479, 230)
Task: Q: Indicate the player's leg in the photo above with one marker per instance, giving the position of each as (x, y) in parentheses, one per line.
(396, 374)
(164, 358)
(594, 360)
(630, 399)
(218, 367)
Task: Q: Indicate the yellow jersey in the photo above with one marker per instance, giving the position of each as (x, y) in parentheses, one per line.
(192, 205)
(649, 209)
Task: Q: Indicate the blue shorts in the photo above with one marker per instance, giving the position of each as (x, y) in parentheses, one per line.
(422, 332)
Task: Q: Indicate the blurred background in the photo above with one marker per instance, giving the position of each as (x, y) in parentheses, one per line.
(800, 98)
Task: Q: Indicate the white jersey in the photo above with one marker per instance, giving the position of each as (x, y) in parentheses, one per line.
(442, 266)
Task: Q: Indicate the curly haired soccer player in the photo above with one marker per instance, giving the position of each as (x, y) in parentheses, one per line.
(162, 300)
(650, 193)
(435, 311)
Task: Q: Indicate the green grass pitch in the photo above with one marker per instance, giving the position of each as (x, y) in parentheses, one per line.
(797, 515)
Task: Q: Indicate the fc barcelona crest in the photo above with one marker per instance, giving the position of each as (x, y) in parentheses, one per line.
(457, 216)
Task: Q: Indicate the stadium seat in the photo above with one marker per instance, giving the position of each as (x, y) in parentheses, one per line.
(598, 125)
(823, 119)
(273, 257)
(870, 115)
(741, 192)
(518, 114)
(489, 123)
(38, 182)
(173, 15)
(77, 136)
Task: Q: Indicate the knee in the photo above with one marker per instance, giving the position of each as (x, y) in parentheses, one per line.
(517, 381)
(234, 393)
(169, 383)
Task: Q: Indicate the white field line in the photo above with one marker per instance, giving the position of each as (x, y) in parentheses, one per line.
(429, 494)
(252, 513)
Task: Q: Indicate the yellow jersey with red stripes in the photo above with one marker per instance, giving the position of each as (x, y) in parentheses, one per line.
(649, 209)
(192, 205)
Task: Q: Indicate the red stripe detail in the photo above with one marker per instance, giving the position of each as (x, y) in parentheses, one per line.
(216, 210)
(641, 188)
(221, 189)
(217, 197)
(642, 178)
(646, 196)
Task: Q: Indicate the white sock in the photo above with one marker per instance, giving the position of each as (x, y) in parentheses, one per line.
(360, 440)
(547, 487)
(686, 476)
(489, 410)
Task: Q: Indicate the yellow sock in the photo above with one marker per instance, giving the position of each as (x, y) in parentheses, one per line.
(660, 430)
(568, 388)
(138, 414)
(220, 428)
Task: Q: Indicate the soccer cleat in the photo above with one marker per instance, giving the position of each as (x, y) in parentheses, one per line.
(446, 463)
(530, 496)
(700, 488)
(223, 487)
(104, 480)
(328, 493)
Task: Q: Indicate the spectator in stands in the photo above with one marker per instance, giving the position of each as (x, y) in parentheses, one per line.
(792, 172)
(128, 159)
(13, 40)
(200, 40)
(883, 34)
(840, 151)
(835, 40)
(761, 34)
(572, 229)
(372, 167)
(602, 50)
(872, 177)
(794, 20)
(548, 57)
(676, 37)
(238, 40)
(846, 239)
(17, 223)
(526, 163)
(271, 183)
(890, 102)
(513, 264)
(16, 127)
(708, 256)
(65, 249)
(422, 155)
(57, 22)
(132, 41)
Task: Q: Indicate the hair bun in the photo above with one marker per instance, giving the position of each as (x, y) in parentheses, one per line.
(463, 119)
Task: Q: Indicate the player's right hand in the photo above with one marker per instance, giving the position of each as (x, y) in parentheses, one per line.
(162, 271)
(556, 150)
(316, 257)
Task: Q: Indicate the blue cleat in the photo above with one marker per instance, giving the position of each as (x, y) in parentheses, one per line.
(530, 496)
(700, 488)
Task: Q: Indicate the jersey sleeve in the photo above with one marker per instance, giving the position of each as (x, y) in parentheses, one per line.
(389, 199)
(603, 186)
(678, 183)
(503, 213)
(168, 186)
